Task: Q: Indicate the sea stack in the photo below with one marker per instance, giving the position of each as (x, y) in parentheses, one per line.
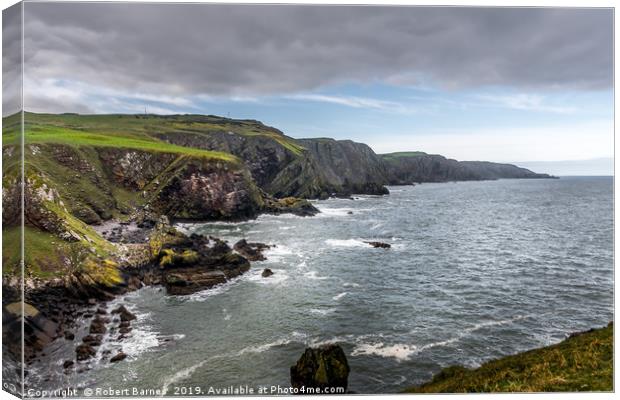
(325, 367)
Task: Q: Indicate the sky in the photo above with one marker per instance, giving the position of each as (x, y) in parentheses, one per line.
(497, 84)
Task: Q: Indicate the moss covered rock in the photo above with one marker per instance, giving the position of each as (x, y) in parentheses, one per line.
(324, 367)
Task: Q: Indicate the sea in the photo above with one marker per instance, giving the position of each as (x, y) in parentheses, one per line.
(476, 271)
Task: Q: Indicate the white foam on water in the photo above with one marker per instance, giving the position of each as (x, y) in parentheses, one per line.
(203, 295)
(264, 347)
(278, 253)
(189, 371)
(439, 344)
(346, 243)
(279, 276)
(314, 276)
(336, 212)
(496, 323)
(350, 284)
(322, 311)
(400, 352)
(339, 296)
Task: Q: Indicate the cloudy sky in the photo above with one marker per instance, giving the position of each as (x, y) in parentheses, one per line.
(469, 83)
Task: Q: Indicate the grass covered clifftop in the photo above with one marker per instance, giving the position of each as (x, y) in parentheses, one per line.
(582, 362)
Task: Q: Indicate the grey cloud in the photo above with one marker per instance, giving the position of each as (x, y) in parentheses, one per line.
(11, 59)
(188, 49)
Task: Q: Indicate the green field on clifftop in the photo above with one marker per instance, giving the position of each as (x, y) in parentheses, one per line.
(580, 363)
(137, 132)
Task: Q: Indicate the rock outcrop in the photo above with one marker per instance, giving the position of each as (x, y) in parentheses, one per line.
(413, 167)
(193, 263)
(251, 251)
(325, 367)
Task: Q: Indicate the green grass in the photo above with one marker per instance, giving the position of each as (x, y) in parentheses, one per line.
(72, 137)
(136, 131)
(402, 154)
(579, 363)
(43, 255)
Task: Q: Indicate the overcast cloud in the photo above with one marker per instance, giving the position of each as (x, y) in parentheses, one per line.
(228, 50)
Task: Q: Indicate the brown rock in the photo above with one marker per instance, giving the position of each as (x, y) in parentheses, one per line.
(119, 357)
(84, 352)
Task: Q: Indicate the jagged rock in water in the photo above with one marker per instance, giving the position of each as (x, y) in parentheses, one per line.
(380, 245)
(291, 205)
(124, 313)
(322, 367)
(267, 273)
(195, 263)
(251, 251)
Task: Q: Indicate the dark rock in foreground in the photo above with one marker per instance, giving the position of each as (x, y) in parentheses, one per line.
(119, 357)
(324, 367)
(267, 273)
(379, 245)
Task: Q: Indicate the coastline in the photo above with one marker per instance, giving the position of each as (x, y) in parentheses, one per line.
(581, 362)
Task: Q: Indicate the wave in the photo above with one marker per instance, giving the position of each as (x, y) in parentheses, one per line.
(339, 296)
(400, 352)
(346, 243)
(314, 275)
(278, 252)
(279, 276)
(189, 371)
(203, 295)
(322, 311)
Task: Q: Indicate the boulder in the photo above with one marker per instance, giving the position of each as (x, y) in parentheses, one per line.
(322, 367)
(97, 326)
(119, 357)
(68, 364)
(84, 352)
(92, 340)
(267, 273)
(124, 313)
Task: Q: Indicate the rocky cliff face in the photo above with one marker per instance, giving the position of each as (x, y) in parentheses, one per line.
(346, 167)
(283, 166)
(407, 168)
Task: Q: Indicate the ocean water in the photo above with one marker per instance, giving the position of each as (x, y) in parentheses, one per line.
(477, 270)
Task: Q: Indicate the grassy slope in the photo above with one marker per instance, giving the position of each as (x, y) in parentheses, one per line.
(136, 131)
(402, 154)
(83, 133)
(579, 363)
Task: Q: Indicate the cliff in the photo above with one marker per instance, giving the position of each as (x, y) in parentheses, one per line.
(82, 170)
(413, 167)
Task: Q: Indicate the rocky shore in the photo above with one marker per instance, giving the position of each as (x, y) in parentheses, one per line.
(151, 252)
